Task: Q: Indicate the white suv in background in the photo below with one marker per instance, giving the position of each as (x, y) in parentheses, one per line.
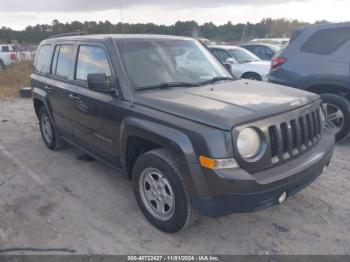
(7, 56)
(243, 63)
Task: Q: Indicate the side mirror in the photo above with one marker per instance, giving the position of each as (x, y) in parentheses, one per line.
(230, 61)
(98, 82)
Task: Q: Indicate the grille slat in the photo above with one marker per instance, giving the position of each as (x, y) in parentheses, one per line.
(291, 137)
(314, 121)
(284, 132)
(306, 131)
(302, 131)
(318, 116)
(310, 127)
(279, 142)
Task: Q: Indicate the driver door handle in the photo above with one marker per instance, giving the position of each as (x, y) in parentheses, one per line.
(74, 97)
(48, 89)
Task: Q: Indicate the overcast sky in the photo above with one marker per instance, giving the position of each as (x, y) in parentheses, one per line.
(17, 14)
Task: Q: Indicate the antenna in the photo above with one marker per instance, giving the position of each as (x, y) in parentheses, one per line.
(121, 15)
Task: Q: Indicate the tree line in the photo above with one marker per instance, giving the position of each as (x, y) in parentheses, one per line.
(227, 32)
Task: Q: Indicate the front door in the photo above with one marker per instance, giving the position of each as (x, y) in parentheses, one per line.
(96, 121)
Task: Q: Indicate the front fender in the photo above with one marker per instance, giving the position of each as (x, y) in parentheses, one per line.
(166, 137)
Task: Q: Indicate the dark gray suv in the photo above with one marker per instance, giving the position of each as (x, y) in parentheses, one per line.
(191, 138)
(317, 59)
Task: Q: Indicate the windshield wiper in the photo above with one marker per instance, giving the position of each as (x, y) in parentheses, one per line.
(216, 79)
(168, 85)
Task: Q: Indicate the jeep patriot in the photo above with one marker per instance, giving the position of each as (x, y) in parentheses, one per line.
(193, 140)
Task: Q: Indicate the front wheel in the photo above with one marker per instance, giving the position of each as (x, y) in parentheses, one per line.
(337, 111)
(160, 192)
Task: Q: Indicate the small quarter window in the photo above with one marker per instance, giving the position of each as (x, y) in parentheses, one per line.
(92, 59)
(43, 60)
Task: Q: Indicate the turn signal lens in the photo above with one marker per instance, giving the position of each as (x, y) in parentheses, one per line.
(217, 163)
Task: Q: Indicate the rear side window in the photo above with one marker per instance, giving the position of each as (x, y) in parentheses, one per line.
(43, 60)
(326, 41)
(63, 61)
(92, 59)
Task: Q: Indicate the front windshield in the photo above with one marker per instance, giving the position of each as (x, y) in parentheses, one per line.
(153, 62)
(243, 55)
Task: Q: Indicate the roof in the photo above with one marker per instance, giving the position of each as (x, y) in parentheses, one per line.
(324, 26)
(258, 43)
(225, 46)
(117, 36)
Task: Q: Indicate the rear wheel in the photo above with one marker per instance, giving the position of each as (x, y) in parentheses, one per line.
(160, 192)
(252, 76)
(337, 112)
(49, 131)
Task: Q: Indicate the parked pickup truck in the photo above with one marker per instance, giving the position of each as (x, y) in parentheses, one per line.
(7, 56)
(193, 140)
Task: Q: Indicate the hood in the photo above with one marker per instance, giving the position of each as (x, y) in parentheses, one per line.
(226, 104)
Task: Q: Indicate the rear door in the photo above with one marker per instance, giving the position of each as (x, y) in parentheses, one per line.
(60, 86)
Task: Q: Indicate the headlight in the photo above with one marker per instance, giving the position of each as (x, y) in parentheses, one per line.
(248, 143)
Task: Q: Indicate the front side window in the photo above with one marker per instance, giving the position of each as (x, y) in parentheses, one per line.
(42, 64)
(92, 59)
(152, 62)
(63, 65)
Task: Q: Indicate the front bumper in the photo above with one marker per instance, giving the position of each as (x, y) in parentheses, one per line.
(234, 191)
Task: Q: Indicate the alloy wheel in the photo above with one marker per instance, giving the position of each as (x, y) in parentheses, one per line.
(157, 194)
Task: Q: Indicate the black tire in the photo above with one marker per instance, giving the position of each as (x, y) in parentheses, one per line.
(184, 214)
(55, 143)
(344, 106)
(252, 76)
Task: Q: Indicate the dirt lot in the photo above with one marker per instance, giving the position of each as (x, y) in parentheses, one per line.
(52, 199)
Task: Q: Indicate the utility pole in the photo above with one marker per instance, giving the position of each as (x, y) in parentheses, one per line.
(121, 16)
(243, 34)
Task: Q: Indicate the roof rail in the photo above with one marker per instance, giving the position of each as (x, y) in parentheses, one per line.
(69, 34)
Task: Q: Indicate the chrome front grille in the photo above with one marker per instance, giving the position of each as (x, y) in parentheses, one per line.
(290, 138)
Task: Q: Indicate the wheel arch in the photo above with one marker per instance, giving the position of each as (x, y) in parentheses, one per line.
(252, 73)
(329, 88)
(40, 98)
(154, 135)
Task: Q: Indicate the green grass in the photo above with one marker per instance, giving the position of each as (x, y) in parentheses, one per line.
(14, 77)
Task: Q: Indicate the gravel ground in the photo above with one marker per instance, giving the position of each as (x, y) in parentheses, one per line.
(52, 199)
